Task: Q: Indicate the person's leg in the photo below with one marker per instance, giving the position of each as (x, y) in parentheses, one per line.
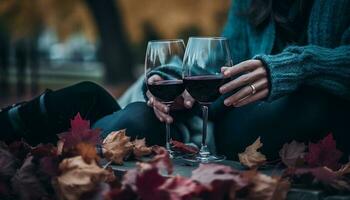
(47, 115)
(139, 121)
(304, 116)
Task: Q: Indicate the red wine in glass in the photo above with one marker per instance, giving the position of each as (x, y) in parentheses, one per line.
(166, 90)
(205, 88)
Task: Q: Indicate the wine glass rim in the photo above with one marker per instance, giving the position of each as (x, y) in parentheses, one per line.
(207, 38)
(166, 40)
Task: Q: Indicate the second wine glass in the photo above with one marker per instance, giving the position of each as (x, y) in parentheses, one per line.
(164, 56)
(202, 64)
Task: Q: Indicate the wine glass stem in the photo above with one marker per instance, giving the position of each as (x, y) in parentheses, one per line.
(204, 152)
(168, 137)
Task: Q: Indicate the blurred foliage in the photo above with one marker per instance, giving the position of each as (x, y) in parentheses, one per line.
(169, 18)
(27, 17)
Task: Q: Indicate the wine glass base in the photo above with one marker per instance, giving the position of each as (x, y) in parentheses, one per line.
(203, 159)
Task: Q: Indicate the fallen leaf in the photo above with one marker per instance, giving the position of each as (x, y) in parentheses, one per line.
(44, 150)
(140, 149)
(180, 188)
(19, 149)
(8, 166)
(344, 170)
(162, 160)
(116, 146)
(291, 154)
(78, 177)
(79, 132)
(8, 163)
(221, 181)
(183, 148)
(251, 157)
(121, 194)
(87, 151)
(324, 153)
(321, 174)
(266, 187)
(148, 182)
(26, 183)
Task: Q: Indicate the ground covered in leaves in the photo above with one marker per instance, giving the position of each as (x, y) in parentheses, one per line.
(71, 170)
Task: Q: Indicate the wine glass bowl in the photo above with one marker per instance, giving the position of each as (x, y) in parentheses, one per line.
(163, 56)
(204, 57)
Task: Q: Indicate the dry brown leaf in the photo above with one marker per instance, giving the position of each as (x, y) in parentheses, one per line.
(266, 187)
(60, 144)
(345, 169)
(116, 146)
(78, 177)
(293, 153)
(140, 149)
(251, 157)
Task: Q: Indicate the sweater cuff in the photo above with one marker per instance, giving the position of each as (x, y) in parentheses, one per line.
(284, 73)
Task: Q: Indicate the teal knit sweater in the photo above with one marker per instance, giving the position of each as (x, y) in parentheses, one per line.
(323, 63)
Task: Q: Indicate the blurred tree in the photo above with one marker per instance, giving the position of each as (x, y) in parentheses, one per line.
(26, 18)
(114, 46)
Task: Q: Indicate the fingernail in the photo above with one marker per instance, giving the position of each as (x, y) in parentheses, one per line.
(151, 100)
(222, 89)
(166, 109)
(227, 103)
(188, 103)
(168, 120)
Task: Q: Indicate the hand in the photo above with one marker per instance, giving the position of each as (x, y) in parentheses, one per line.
(254, 76)
(161, 110)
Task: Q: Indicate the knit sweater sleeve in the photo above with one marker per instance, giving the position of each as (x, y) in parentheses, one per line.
(325, 68)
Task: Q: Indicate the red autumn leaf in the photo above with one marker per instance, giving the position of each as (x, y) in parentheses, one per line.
(43, 150)
(321, 174)
(162, 160)
(80, 132)
(49, 166)
(79, 124)
(121, 194)
(180, 188)
(324, 153)
(221, 181)
(148, 183)
(183, 148)
(292, 152)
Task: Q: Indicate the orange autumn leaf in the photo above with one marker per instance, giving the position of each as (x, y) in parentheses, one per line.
(251, 157)
(116, 146)
(87, 151)
(140, 149)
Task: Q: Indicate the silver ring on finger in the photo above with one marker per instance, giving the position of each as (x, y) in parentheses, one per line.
(253, 89)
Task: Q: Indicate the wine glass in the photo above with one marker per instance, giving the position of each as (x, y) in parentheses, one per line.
(163, 56)
(204, 57)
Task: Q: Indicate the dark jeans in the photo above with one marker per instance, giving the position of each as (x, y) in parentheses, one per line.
(42, 118)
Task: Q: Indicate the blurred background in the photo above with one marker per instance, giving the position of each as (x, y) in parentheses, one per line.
(55, 43)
